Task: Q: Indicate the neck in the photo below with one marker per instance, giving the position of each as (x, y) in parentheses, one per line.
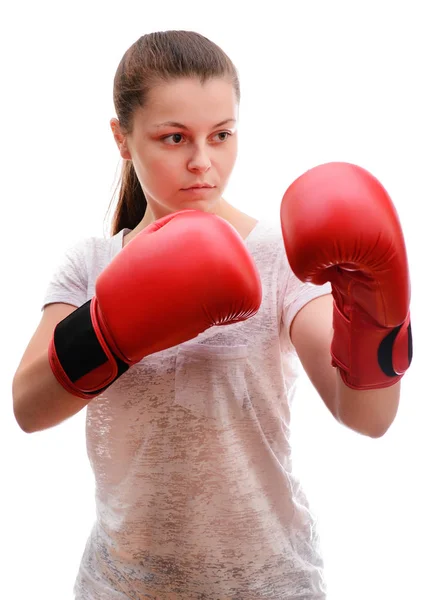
(242, 222)
(222, 209)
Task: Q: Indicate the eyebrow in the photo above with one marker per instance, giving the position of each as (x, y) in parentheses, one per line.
(181, 126)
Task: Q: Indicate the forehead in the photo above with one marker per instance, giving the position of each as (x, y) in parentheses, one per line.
(190, 99)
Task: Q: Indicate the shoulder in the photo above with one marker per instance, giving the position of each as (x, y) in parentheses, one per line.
(95, 251)
(78, 267)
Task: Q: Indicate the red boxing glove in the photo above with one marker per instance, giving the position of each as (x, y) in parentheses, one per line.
(340, 225)
(175, 279)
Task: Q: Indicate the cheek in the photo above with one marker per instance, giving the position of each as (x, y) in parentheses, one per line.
(159, 170)
(228, 161)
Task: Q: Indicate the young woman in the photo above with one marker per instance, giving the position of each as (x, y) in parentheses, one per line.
(180, 334)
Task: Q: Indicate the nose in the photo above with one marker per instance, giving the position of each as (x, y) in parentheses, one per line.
(200, 161)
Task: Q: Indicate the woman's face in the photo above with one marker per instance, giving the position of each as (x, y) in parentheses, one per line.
(185, 137)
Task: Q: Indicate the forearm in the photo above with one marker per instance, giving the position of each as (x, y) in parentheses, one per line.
(39, 401)
(370, 412)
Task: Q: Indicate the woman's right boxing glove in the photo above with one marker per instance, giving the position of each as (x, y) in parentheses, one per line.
(179, 276)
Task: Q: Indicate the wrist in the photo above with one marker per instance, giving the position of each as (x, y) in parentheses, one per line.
(80, 357)
(368, 355)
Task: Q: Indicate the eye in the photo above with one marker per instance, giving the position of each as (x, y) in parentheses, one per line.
(226, 135)
(177, 137)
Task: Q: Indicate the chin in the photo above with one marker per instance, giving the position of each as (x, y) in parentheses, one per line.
(196, 201)
(204, 204)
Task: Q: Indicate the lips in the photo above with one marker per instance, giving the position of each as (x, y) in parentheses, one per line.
(199, 186)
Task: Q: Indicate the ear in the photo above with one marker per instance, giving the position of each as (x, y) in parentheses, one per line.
(120, 139)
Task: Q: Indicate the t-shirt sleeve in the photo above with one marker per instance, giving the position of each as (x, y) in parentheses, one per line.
(297, 294)
(69, 282)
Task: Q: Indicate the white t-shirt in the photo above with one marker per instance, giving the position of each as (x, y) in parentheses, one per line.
(191, 454)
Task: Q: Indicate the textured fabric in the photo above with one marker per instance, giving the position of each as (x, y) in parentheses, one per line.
(191, 454)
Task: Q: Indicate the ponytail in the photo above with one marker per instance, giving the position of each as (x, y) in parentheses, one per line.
(131, 205)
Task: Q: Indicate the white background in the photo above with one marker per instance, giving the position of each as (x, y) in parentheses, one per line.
(320, 81)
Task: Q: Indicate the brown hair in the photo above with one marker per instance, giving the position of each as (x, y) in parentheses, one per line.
(156, 57)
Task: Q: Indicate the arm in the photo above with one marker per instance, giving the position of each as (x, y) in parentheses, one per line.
(370, 412)
(39, 401)
(141, 306)
(340, 226)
